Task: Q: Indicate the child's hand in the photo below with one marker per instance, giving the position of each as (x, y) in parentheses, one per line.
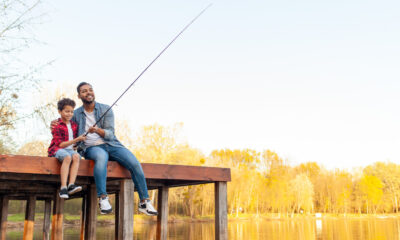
(81, 138)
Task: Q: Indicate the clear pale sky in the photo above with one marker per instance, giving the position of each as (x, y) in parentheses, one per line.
(311, 80)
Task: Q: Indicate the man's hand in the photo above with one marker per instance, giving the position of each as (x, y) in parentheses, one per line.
(97, 130)
(53, 124)
(93, 129)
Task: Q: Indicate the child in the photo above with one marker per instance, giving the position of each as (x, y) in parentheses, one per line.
(61, 146)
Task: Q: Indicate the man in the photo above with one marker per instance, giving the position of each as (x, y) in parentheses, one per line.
(101, 145)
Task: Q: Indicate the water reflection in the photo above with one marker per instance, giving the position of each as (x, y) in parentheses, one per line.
(282, 229)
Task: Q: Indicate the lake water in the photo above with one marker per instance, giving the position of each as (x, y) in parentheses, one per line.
(282, 229)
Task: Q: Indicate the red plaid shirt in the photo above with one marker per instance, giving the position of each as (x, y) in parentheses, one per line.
(60, 134)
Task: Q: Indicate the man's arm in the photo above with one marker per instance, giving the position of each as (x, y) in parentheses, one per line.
(107, 130)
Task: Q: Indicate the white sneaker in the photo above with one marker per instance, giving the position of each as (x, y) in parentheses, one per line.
(105, 206)
(147, 208)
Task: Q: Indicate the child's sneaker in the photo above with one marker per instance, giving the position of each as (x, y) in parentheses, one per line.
(147, 208)
(105, 206)
(63, 193)
(72, 188)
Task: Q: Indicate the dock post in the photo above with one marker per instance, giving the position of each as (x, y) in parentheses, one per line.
(58, 217)
(221, 211)
(29, 218)
(83, 217)
(3, 217)
(162, 217)
(46, 219)
(91, 213)
(124, 210)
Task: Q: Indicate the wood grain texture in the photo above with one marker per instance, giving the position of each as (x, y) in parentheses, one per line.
(46, 219)
(29, 218)
(221, 211)
(125, 210)
(91, 213)
(162, 217)
(50, 166)
(3, 216)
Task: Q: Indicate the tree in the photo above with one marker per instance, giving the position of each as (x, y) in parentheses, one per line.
(302, 191)
(389, 174)
(16, 77)
(371, 189)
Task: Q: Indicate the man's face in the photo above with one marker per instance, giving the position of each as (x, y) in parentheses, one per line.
(86, 94)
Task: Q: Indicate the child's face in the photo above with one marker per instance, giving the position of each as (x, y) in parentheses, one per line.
(67, 113)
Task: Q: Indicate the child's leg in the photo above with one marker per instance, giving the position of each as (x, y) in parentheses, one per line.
(64, 170)
(64, 157)
(74, 168)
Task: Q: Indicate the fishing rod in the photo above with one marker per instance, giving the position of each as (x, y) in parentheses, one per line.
(151, 63)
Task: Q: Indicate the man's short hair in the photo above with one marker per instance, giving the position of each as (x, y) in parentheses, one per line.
(80, 85)
(65, 102)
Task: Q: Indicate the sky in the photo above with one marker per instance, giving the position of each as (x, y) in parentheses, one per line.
(311, 80)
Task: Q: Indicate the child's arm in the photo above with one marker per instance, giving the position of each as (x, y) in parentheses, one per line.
(75, 140)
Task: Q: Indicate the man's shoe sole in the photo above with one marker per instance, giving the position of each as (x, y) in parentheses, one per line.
(147, 213)
(75, 190)
(64, 196)
(106, 211)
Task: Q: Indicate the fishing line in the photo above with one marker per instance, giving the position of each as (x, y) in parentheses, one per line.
(151, 63)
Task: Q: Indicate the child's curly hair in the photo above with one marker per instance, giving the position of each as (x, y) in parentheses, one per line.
(65, 102)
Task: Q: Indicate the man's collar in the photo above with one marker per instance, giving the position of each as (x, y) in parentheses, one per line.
(96, 106)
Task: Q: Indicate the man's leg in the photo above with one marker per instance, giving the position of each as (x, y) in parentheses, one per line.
(100, 158)
(124, 157)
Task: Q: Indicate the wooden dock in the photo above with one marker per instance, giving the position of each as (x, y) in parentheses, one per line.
(34, 179)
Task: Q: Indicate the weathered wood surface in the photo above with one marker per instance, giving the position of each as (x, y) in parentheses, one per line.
(162, 217)
(50, 166)
(123, 218)
(57, 218)
(221, 211)
(91, 213)
(28, 177)
(29, 218)
(46, 219)
(3, 216)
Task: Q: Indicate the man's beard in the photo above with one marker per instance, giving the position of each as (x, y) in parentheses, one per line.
(86, 101)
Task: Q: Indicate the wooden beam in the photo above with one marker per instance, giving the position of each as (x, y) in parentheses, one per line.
(51, 166)
(125, 210)
(91, 213)
(29, 218)
(46, 219)
(3, 216)
(58, 217)
(221, 211)
(83, 217)
(116, 215)
(162, 217)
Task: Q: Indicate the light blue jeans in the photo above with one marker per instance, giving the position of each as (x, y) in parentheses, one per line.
(64, 152)
(100, 154)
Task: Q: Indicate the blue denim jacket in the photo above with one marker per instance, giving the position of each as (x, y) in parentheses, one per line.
(106, 123)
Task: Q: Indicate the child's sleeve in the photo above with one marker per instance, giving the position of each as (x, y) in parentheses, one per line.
(57, 136)
(76, 128)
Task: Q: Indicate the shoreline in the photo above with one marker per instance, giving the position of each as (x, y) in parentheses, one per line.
(16, 222)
